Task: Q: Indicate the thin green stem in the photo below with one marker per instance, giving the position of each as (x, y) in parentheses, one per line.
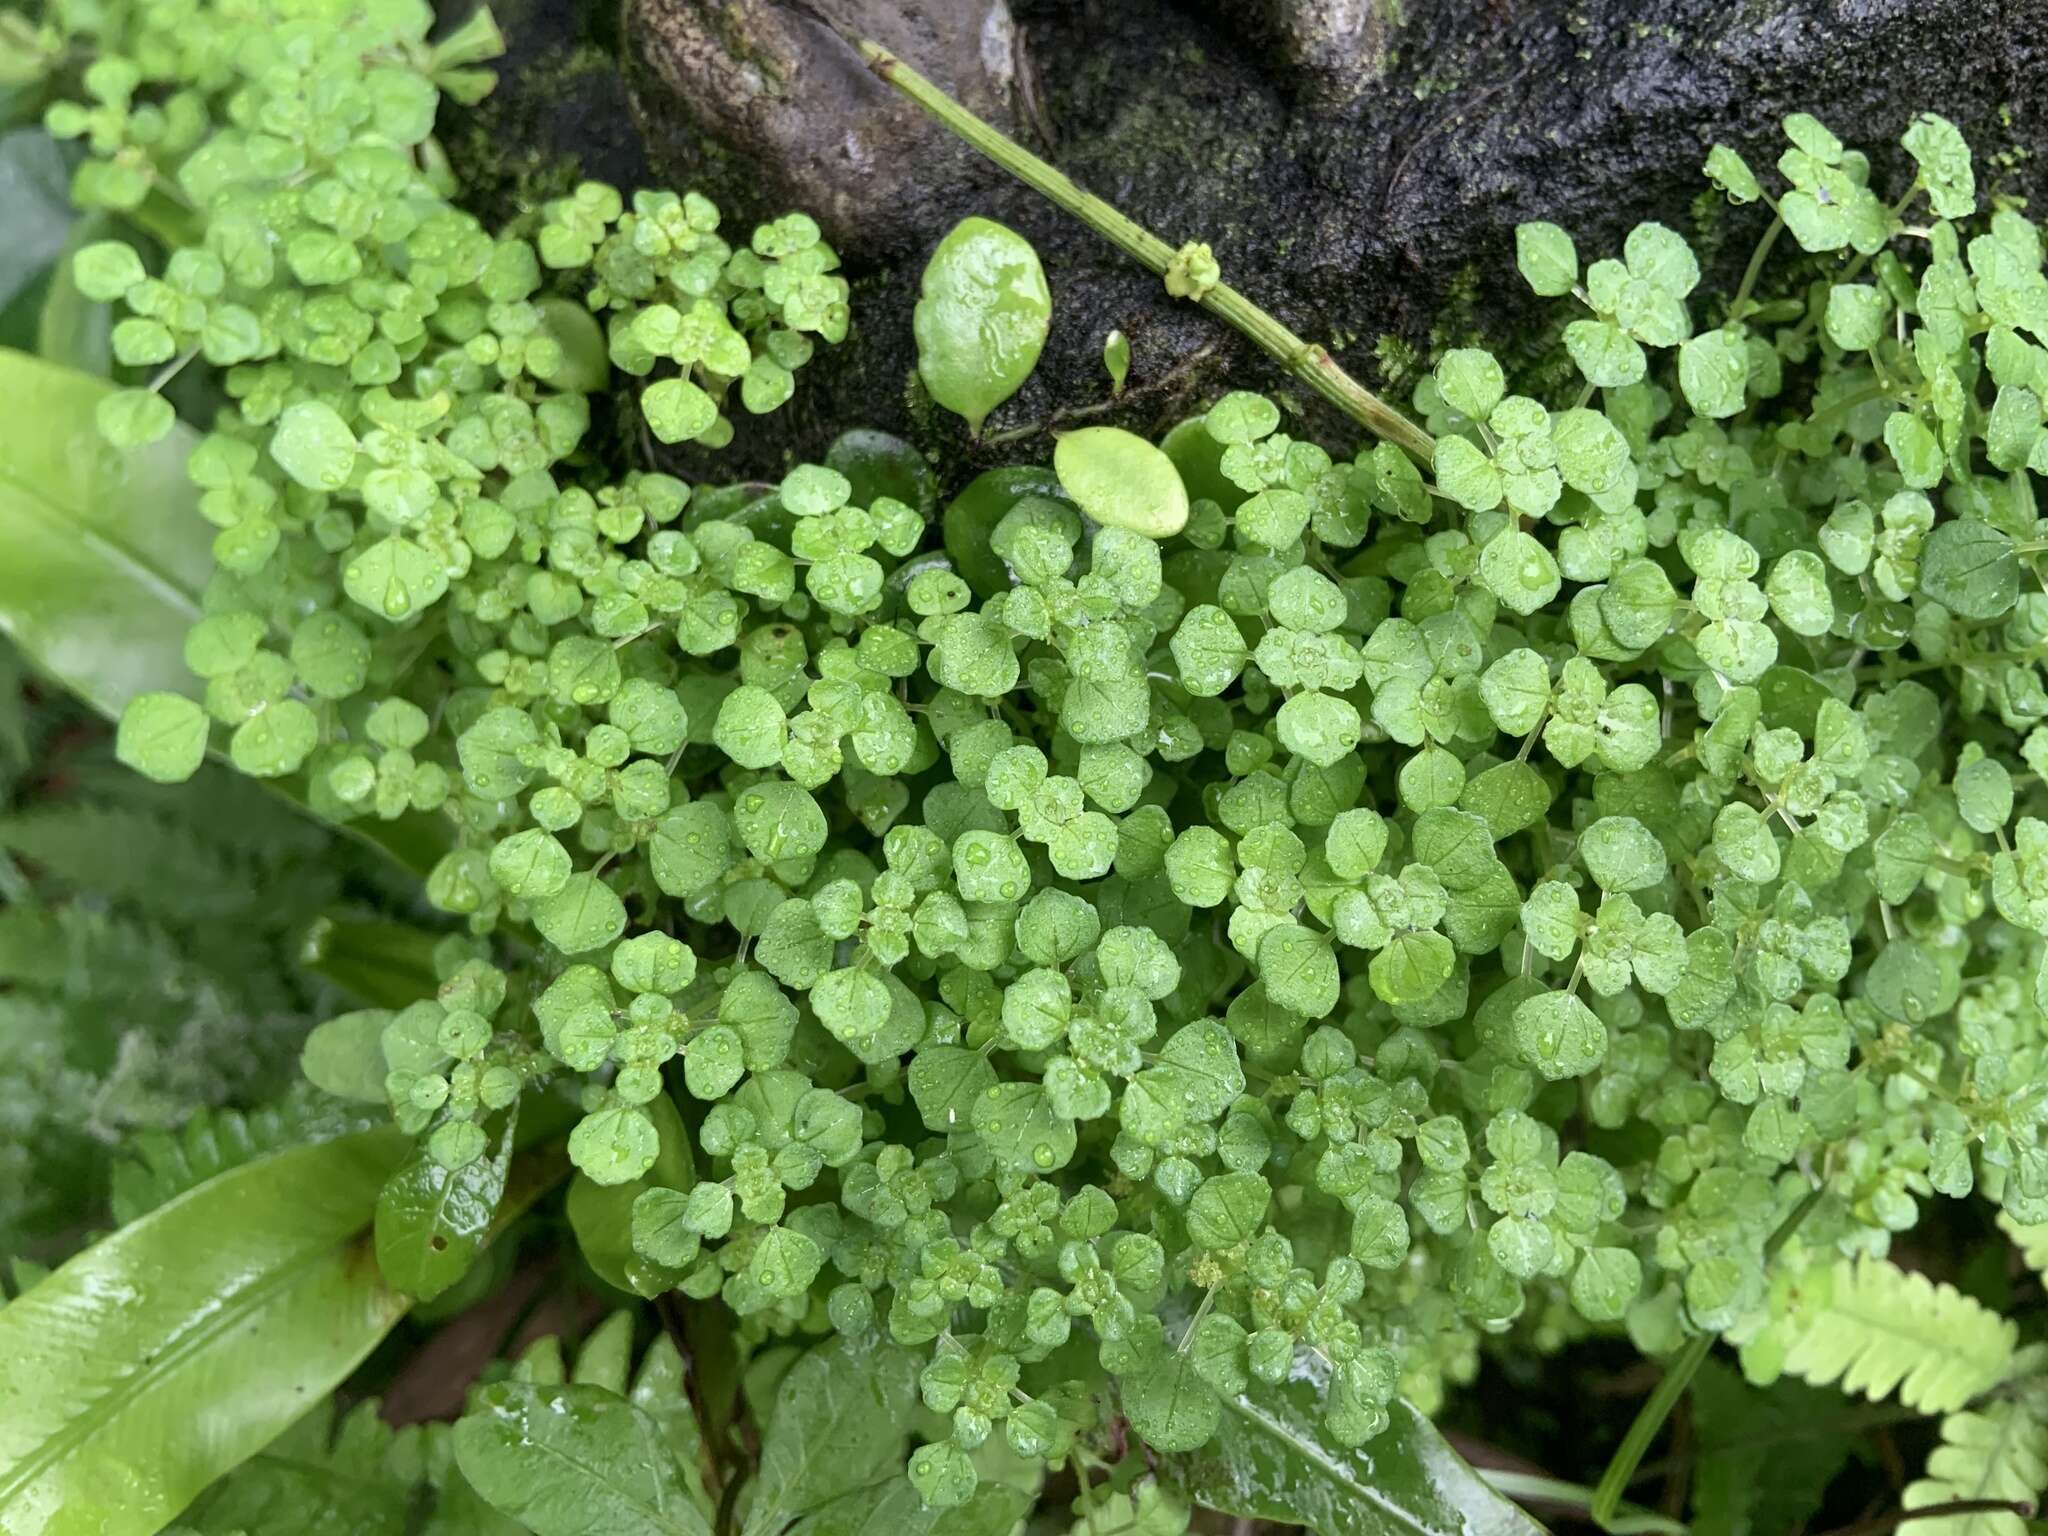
(1847, 402)
(1755, 268)
(1534, 1488)
(1649, 1420)
(1308, 361)
(170, 370)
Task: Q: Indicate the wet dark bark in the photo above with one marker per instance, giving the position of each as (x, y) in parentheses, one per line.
(1358, 165)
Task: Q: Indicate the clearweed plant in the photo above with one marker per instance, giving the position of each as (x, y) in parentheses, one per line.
(1146, 975)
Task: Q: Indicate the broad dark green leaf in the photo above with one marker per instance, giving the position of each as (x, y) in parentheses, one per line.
(70, 328)
(574, 1460)
(1769, 1455)
(659, 1389)
(384, 964)
(1269, 1461)
(971, 517)
(35, 190)
(877, 464)
(1199, 458)
(252, 1295)
(601, 1215)
(893, 1508)
(840, 1418)
(1970, 569)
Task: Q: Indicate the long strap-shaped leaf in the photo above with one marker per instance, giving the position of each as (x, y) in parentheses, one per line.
(106, 553)
(159, 1358)
(103, 556)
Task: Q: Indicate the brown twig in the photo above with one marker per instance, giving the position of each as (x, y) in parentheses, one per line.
(1159, 385)
(433, 1383)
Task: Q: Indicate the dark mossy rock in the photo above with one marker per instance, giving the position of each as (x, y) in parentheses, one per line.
(1358, 166)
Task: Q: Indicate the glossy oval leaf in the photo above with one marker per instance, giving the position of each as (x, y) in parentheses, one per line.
(253, 1295)
(981, 318)
(601, 1215)
(433, 1221)
(1271, 1461)
(840, 1418)
(1199, 457)
(876, 464)
(971, 517)
(1122, 481)
(384, 964)
(574, 1459)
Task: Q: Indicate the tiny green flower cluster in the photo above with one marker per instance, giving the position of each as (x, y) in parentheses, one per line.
(1208, 913)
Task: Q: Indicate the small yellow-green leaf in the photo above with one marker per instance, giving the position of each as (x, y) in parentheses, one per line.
(162, 737)
(314, 446)
(1116, 358)
(1122, 481)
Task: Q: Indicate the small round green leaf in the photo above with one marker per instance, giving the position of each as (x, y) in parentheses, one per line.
(162, 737)
(314, 446)
(585, 914)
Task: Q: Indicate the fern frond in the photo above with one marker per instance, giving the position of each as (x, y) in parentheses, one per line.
(358, 1476)
(88, 957)
(202, 906)
(31, 952)
(1877, 1329)
(1999, 1452)
(125, 855)
(162, 1165)
(217, 806)
(2031, 1238)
